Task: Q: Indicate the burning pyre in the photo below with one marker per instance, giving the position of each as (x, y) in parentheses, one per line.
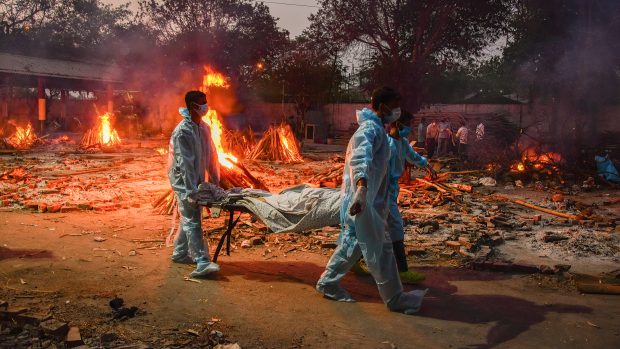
(23, 138)
(103, 135)
(278, 144)
(532, 161)
(232, 172)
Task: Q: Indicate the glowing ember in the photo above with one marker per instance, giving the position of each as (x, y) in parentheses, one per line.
(541, 162)
(101, 135)
(162, 151)
(23, 138)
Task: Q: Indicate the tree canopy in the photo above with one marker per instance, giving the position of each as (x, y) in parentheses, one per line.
(407, 40)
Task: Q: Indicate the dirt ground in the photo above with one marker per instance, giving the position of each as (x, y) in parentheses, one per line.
(72, 264)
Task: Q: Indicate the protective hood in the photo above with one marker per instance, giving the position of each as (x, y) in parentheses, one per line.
(367, 115)
(185, 113)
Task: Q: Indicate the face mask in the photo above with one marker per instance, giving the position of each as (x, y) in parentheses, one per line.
(405, 131)
(392, 116)
(203, 108)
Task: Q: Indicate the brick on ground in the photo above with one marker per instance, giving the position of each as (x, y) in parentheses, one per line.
(33, 319)
(54, 327)
(74, 338)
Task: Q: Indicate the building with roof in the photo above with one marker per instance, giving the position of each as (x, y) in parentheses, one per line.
(18, 71)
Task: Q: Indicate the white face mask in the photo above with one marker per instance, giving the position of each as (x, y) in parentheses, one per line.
(393, 116)
(203, 108)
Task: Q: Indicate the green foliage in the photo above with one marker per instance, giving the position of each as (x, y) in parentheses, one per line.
(408, 40)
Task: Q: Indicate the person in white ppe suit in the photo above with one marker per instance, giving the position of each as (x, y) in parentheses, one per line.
(193, 160)
(401, 152)
(364, 210)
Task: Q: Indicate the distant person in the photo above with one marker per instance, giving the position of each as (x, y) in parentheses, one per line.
(480, 131)
(444, 137)
(421, 139)
(192, 154)
(432, 132)
(462, 136)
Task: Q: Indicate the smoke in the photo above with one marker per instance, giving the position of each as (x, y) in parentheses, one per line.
(577, 73)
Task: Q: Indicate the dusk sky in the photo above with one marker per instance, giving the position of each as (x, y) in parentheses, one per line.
(292, 14)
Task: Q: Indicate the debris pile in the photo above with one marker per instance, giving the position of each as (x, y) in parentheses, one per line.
(48, 183)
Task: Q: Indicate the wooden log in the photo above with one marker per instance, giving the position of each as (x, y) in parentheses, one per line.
(431, 184)
(546, 210)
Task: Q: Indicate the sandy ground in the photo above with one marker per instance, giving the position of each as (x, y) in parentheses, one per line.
(272, 303)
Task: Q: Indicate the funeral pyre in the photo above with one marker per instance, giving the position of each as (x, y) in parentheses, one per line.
(278, 144)
(24, 137)
(103, 135)
(232, 172)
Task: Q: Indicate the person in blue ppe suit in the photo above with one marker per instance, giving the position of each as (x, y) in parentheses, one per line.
(364, 210)
(401, 153)
(193, 160)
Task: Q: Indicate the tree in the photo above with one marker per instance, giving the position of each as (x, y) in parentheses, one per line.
(19, 15)
(306, 75)
(566, 53)
(232, 35)
(75, 29)
(407, 40)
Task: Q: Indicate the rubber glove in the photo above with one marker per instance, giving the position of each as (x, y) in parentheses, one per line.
(432, 172)
(358, 204)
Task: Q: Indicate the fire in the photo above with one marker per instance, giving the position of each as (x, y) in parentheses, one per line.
(225, 158)
(233, 174)
(108, 134)
(290, 143)
(277, 144)
(547, 162)
(213, 78)
(23, 138)
(161, 151)
(102, 135)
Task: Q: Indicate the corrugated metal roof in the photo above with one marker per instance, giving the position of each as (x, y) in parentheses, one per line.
(45, 67)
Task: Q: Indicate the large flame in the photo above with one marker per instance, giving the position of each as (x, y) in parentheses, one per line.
(213, 78)
(225, 158)
(108, 134)
(23, 138)
(103, 134)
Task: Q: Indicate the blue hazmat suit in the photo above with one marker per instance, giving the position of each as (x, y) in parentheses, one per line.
(192, 161)
(400, 152)
(364, 234)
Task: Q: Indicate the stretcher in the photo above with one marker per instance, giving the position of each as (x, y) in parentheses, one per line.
(232, 208)
(296, 209)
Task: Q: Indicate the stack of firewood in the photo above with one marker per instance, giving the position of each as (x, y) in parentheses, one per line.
(278, 144)
(239, 143)
(331, 178)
